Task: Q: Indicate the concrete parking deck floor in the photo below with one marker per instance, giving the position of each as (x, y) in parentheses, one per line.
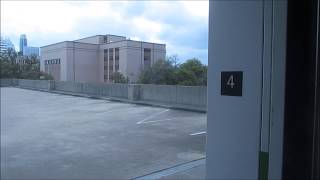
(46, 135)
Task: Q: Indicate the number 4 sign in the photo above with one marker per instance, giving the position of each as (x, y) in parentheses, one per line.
(231, 83)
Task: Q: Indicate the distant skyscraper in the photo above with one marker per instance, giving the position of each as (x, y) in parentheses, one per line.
(25, 49)
(5, 44)
(23, 42)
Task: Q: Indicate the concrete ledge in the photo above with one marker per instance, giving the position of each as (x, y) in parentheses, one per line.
(8, 82)
(191, 98)
(149, 103)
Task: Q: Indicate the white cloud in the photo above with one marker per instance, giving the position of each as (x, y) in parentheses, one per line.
(47, 22)
(148, 27)
(23, 16)
(48, 16)
(145, 25)
(186, 52)
(136, 38)
(197, 8)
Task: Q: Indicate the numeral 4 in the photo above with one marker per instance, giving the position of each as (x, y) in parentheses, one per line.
(230, 81)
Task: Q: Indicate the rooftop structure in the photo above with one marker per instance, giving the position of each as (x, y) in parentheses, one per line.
(96, 58)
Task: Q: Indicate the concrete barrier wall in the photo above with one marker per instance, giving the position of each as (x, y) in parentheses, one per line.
(192, 95)
(6, 82)
(159, 93)
(107, 90)
(34, 84)
(187, 97)
(74, 87)
(95, 89)
(175, 95)
(9, 82)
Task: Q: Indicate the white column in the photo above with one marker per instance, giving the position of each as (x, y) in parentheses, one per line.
(234, 122)
(246, 37)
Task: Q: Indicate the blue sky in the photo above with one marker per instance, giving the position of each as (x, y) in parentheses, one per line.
(181, 25)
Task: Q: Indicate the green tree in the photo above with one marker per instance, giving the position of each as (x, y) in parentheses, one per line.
(8, 70)
(161, 72)
(30, 69)
(11, 55)
(8, 66)
(192, 73)
(117, 77)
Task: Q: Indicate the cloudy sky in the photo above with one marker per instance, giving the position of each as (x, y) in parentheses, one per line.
(181, 25)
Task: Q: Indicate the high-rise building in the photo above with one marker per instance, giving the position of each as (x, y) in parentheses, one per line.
(5, 44)
(25, 49)
(23, 42)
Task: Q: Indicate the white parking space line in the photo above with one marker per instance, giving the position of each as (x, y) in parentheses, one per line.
(198, 133)
(152, 116)
(160, 120)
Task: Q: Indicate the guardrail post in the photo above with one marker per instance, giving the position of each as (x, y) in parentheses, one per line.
(51, 85)
(14, 82)
(134, 92)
